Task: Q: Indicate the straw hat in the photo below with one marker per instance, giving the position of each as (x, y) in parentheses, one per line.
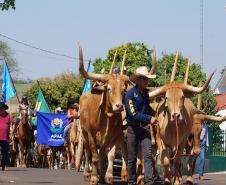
(141, 71)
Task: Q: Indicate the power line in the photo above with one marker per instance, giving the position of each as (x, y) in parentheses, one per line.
(40, 49)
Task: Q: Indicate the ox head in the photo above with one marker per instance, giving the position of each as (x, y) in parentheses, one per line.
(175, 94)
(114, 85)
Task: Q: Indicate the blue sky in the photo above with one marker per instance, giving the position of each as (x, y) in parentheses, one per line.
(100, 25)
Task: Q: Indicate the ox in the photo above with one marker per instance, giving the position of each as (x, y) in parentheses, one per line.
(175, 116)
(193, 144)
(100, 112)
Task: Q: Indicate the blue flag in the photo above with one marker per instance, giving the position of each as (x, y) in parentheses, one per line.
(87, 85)
(7, 87)
(50, 128)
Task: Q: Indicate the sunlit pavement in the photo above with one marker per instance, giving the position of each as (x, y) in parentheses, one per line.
(29, 176)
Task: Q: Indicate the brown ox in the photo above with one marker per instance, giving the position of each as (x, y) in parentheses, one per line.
(24, 135)
(100, 112)
(175, 116)
(193, 145)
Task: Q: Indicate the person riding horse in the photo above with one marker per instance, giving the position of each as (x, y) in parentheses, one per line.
(24, 106)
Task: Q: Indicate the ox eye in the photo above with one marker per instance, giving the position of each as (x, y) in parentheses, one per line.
(109, 88)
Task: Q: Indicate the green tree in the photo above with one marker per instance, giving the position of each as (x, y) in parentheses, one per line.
(137, 55)
(7, 54)
(57, 90)
(7, 4)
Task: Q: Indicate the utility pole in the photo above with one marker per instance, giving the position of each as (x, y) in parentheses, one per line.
(201, 33)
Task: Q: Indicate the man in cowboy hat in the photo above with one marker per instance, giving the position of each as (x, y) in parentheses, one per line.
(139, 119)
(5, 123)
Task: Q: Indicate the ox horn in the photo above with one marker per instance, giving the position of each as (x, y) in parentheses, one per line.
(198, 90)
(91, 76)
(123, 63)
(187, 71)
(113, 63)
(174, 67)
(157, 92)
(199, 101)
(154, 63)
(215, 118)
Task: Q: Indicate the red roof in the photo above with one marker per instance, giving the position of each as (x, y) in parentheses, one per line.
(221, 101)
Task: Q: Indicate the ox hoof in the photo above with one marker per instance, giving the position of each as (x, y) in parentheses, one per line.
(189, 180)
(167, 182)
(124, 178)
(94, 180)
(109, 178)
(86, 177)
(140, 180)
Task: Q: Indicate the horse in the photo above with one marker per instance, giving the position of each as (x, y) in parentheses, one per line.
(24, 134)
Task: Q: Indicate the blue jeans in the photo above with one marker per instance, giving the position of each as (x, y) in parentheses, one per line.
(139, 135)
(66, 129)
(5, 152)
(202, 157)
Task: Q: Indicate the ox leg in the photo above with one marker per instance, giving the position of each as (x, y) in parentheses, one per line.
(166, 164)
(72, 150)
(95, 160)
(79, 150)
(103, 166)
(122, 144)
(86, 172)
(109, 172)
(191, 167)
(177, 171)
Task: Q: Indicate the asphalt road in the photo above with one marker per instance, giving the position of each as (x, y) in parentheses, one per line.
(30, 176)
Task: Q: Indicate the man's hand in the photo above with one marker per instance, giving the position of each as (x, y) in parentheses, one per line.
(154, 121)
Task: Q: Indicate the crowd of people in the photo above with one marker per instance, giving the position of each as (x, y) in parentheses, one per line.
(9, 125)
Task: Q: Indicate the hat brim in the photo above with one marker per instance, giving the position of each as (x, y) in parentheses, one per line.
(134, 77)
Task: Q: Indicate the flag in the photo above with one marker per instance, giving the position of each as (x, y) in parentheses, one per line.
(87, 85)
(7, 87)
(40, 106)
(50, 128)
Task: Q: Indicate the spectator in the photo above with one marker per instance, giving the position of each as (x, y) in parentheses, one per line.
(6, 122)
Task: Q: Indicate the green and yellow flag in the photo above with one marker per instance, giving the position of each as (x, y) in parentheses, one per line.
(41, 106)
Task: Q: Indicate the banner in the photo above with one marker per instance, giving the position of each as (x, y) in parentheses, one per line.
(50, 128)
(7, 87)
(87, 85)
(40, 106)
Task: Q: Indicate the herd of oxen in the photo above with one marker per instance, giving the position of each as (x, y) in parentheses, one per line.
(93, 138)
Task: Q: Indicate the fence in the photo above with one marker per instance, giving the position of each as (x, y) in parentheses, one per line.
(216, 155)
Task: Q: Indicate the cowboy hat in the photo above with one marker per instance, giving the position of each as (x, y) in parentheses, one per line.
(141, 71)
(3, 105)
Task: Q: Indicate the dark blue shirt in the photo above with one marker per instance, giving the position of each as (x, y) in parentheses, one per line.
(137, 106)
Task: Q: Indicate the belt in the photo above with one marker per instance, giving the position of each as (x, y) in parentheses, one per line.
(140, 124)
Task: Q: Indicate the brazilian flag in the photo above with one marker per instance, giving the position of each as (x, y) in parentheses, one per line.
(41, 106)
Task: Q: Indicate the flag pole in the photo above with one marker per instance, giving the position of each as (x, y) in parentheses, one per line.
(12, 81)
